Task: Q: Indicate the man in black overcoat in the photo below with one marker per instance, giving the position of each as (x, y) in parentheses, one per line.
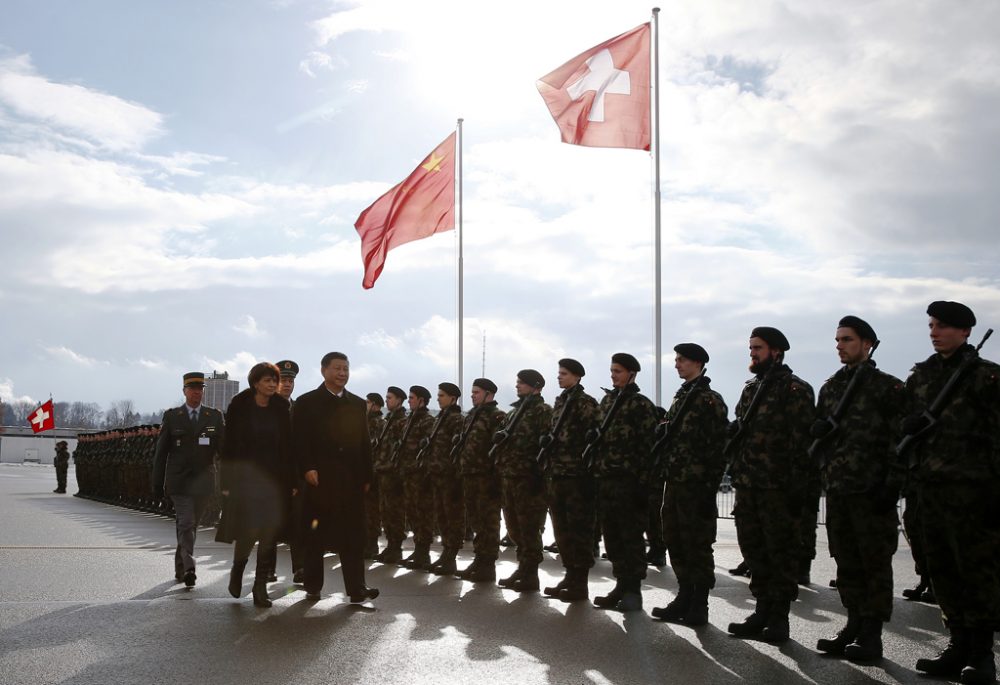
(330, 433)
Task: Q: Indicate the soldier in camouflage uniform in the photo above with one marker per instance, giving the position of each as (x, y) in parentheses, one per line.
(769, 468)
(480, 479)
(446, 483)
(956, 468)
(416, 481)
(690, 451)
(522, 484)
(373, 522)
(61, 462)
(862, 477)
(620, 455)
(571, 488)
(392, 498)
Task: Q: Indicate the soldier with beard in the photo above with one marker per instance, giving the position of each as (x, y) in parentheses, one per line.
(416, 482)
(445, 481)
(373, 522)
(392, 499)
(769, 465)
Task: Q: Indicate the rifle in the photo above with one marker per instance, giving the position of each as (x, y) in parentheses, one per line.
(833, 420)
(546, 441)
(458, 441)
(394, 459)
(930, 416)
(503, 435)
(426, 443)
(741, 422)
(588, 457)
(671, 426)
(376, 441)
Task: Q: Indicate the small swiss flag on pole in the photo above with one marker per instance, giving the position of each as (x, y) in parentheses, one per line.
(43, 418)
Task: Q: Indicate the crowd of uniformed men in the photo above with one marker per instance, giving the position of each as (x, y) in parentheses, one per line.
(621, 470)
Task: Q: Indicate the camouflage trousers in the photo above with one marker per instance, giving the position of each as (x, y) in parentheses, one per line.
(449, 507)
(373, 519)
(768, 532)
(61, 472)
(914, 533)
(419, 507)
(571, 505)
(654, 521)
(525, 507)
(862, 541)
(482, 505)
(392, 506)
(622, 503)
(808, 522)
(690, 516)
(962, 539)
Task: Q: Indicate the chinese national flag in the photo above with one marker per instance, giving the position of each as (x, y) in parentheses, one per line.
(43, 418)
(420, 206)
(600, 98)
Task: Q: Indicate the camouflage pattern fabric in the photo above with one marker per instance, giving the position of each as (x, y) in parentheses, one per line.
(565, 454)
(863, 540)
(767, 528)
(481, 423)
(449, 505)
(574, 518)
(392, 506)
(517, 456)
(525, 506)
(417, 489)
(625, 447)
(373, 517)
(694, 452)
(690, 516)
(482, 505)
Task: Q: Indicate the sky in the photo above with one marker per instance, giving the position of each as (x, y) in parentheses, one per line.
(179, 182)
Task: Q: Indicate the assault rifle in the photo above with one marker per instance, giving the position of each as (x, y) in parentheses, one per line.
(596, 434)
(832, 422)
(425, 443)
(394, 459)
(458, 440)
(376, 441)
(672, 425)
(741, 421)
(503, 435)
(546, 441)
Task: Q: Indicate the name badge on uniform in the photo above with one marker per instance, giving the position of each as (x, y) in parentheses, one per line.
(203, 441)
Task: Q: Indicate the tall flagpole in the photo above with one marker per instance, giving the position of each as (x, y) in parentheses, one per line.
(461, 266)
(655, 116)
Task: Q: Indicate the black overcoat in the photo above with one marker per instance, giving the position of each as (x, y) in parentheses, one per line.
(330, 436)
(185, 453)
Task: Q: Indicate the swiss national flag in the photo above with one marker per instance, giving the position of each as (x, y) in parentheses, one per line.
(600, 98)
(43, 418)
(419, 206)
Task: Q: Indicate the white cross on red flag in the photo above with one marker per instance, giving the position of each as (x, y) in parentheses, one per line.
(600, 98)
(43, 418)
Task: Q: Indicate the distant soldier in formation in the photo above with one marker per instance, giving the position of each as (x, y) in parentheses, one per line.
(416, 482)
(446, 484)
(373, 521)
(856, 431)
(770, 473)
(690, 450)
(392, 498)
(61, 462)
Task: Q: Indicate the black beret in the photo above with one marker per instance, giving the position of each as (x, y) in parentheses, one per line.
(952, 313)
(397, 391)
(288, 368)
(486, 384)
(421, 392)
(194, 379)
(692, 351)
(531, 377)
(573, 366)
(772, 336)
(375, 398)
(450, 388)
(626, 360)
(860, 326)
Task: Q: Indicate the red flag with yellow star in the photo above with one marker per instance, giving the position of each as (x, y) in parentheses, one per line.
(420, 206)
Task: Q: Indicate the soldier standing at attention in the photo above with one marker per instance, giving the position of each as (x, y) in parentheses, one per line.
(522, 484)
(191, 436)
(480, 480)
(446, 484)
(690, 450)
(768, 450)
(955, 463)
(416, 482)
(620, 455)
(61, 462)
(855, 438)
(571, 489)
(392, 500)
(373, 522)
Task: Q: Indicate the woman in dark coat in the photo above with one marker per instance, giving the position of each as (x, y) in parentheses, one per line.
(257, 477)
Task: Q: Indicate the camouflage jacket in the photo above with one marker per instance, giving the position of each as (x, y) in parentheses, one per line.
(62, 457)
(518, 455)
(772, 454)
(693, 453)
(480, 425)
(382, 456)
(375, 424)
(965, 442)
(422, 423)
(565, 455)
(437, 456)
(861, 454)
(625, 446)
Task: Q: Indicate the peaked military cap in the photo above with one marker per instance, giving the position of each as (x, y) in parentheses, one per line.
(860, 326)
(531, 377)
(692, 351)
(397, 391)
(573, 366)
(421, 392)
(486, 384)
(450, 388)
(772, 336)
(194, 379)
(375, 398)
(952, 313)
(626, 360)
(288, 368)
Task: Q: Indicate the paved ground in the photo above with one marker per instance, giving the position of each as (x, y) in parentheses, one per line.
(87, 596)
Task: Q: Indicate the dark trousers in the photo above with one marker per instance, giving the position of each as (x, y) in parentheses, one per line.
(266, 552)
(352, 564)
(690, 517)
(863, 541)
(61, 477)
(188, 510)
(525, 503)
(768, 530)
(622, 506)
(571, 505)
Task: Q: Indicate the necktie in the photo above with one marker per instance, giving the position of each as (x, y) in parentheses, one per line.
(194, 416)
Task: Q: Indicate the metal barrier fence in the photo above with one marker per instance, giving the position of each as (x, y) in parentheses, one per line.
(726, 498)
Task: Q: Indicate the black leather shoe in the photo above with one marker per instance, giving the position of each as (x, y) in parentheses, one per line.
(260, 598)
(190, 578)
(299, 576)
(370, 593)
(272, 577)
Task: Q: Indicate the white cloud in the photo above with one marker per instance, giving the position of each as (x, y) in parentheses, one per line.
(152, 364)
(7, 393)
(249, 327)
(379, 339)
(66, 354)
(238, 366)
(316, 61)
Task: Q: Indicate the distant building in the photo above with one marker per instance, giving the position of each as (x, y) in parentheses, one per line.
(219, 390)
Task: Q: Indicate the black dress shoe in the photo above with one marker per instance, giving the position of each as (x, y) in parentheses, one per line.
(190, 578)
(313, 596)
(272, 577)
(369, 593)
(298, 577)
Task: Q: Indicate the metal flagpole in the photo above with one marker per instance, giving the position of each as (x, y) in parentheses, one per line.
(655, 117)
(461, 313)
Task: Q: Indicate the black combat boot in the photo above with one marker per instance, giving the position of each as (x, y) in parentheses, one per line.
(980, 666)
(632, 596)
(470, 569)
(835, 646)
(914, 593)
(611, 599)
(776, 631)
(420, 560)
(697, 611)
(951, 660)
(805, 566)
(752, 625)
(511, 579)
(742, 569)
(392, 554)
(260, 598)
(553, 590)
(445, 565)
(236, 578)
(527, 581)
(485, 572)
(576, 587)
(867, 646)
(674, 610)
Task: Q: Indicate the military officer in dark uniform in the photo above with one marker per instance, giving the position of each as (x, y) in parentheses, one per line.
(287, 372)
(61, 462)
(191, 436)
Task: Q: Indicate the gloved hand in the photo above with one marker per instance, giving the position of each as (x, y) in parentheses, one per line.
(499, 437)
(820, 428)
